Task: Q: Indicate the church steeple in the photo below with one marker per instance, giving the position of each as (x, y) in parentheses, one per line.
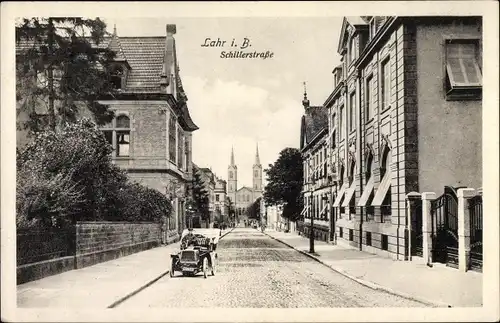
(257, 159)
(305, 101)
(232, 156)
(257, 172)
(232, 178)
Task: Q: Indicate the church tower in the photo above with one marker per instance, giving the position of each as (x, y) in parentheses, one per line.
(232, 178)
(257, 174)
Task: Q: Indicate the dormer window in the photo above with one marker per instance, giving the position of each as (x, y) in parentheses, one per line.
(118, 76)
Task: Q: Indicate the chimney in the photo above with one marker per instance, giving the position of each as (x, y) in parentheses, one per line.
(171, 30)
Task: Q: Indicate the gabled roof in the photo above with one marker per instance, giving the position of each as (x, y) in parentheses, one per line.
(313, 122)
(353, 22)
(244, 188)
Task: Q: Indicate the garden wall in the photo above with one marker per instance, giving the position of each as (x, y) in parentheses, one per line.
(95, 242)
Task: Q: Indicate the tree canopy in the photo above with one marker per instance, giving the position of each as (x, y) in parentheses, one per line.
(253, 211)
(284, 183)
(200, 196)
(61, 65)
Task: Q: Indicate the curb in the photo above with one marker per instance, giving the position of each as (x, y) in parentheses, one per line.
(151, 282)
(365, 282)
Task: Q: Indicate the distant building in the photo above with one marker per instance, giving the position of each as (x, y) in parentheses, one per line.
(317, 185)
(243, 197)
(221, 197)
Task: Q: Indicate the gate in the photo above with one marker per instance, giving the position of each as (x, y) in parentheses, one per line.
(444, 216)
(416, 230)
(476, 233)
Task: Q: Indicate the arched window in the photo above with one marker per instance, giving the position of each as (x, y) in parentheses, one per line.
(369, 166)
(230, 175)
(386, 161)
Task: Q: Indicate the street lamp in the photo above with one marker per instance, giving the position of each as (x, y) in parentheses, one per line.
(189, 211)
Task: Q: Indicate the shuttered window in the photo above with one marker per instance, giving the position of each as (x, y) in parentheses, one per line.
(461, 64)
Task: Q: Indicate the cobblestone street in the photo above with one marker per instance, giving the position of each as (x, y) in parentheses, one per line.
(256, 271)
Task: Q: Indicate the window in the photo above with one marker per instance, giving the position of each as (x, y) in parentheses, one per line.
(352, 111)
(172, 138)
(368, 238)
(341, 123)
(352, 49)
(385, 78)
(256, 173)
(180, 145)
(369, 99)
(118, 136)
(186, 154)
(463, 72)
(385, 242)
(231, 175)
(116, 77)
(217, 197)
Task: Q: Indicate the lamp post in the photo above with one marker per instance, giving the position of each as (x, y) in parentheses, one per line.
(189, 211)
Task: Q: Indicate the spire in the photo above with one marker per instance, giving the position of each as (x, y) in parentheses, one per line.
(114, 30)
(257, 159)
(305, 102)
(232, 156)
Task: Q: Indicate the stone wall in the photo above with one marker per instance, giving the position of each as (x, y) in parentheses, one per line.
(97, 242)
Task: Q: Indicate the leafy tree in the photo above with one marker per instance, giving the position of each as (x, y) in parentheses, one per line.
(66, 176)
(253, 212)
(61, 65)
(200, 197)
(284, 183)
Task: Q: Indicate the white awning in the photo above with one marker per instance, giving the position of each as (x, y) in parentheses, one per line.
(349, 194)
(339, 196)
(366, 193)
(304, 210)
(382, 189)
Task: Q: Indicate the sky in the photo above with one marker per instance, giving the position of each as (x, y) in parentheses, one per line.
(241, 102)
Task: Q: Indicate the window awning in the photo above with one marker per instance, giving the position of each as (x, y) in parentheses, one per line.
(339, 197)
(349, 194)
(382, 189)
(366, 193)
(304, 210)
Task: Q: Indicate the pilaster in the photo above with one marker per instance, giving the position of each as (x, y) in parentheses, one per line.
(464, 227)
(427, 198)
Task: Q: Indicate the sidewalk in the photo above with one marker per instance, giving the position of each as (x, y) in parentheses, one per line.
(102, 285)
(439, 285)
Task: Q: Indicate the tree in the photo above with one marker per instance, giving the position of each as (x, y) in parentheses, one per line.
(230, 209)
(253, 212)
(61, 65)
(284, 183)
(200, 197)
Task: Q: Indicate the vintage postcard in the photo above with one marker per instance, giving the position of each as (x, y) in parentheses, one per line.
(250, 161)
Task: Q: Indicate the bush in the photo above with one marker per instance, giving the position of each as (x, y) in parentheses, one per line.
(66, 176)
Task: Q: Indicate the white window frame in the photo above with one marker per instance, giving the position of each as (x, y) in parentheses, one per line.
(453, 83)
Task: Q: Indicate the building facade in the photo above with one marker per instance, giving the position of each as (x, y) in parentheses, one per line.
(317, 184)
(404, 116)
(221, 197)
(152, 131)
(243, 197)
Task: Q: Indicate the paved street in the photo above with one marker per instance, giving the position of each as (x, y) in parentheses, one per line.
(257, 271)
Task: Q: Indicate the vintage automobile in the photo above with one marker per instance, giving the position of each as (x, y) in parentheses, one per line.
(197, 255)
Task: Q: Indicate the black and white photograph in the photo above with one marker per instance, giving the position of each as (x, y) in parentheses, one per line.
(240, 162)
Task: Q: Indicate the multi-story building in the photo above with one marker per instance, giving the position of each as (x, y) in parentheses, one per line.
(317, 185)
(152, 131)
(405, 115)
(220, 197)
